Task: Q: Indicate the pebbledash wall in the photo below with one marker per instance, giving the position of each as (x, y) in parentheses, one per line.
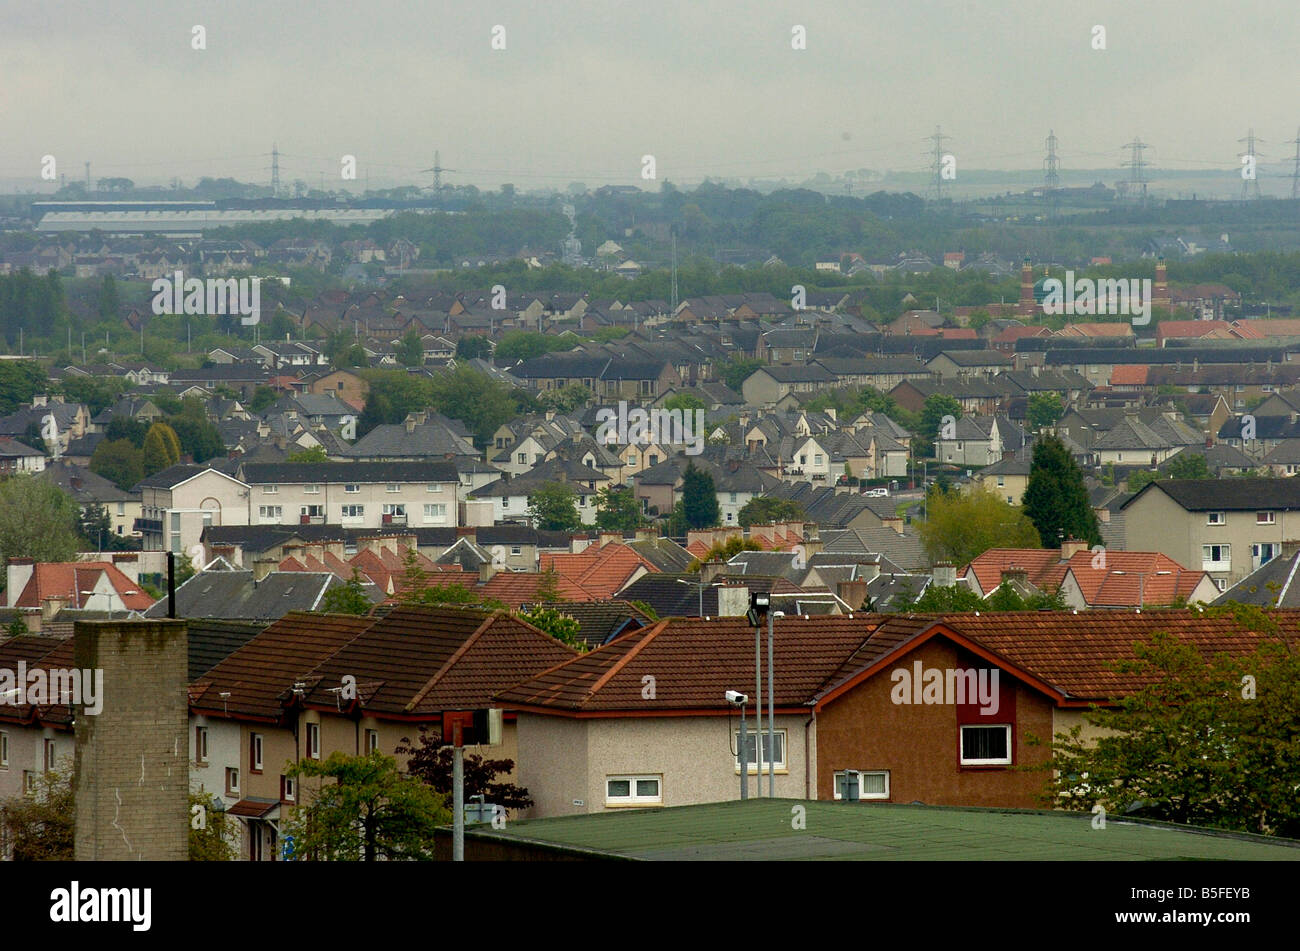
(132, 769)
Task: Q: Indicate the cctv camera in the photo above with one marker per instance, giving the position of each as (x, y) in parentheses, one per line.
(737, 698)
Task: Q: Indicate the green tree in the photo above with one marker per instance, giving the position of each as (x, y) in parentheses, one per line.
(314, 454)
(724, 551)
(474, 398)
(118, 461)
(937, 406)
(347, 598)
(371, 811)
(410, 349)
(961, 526)
(1045, 410)
(1192, 744)
(109, 303)
(1188, 465)
(553, 508)
(617, 510)
(20, 380)
(699, 498)
(39, 825)
(263, 399)
(161, 448)
(468, 348)
(684, 401)
(37, 520)
(431, 762)
(734, 373)
(954, 598)
(123, 427)
(197, 438)
(525, 345)
(568, 398)
(211, 831)
(1056, 499)
(554, 622)
(762, 509)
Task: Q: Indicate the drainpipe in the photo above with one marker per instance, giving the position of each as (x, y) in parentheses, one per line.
(810, 768)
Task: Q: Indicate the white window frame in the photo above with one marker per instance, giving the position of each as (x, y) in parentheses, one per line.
(1216, 518)
(351, 488)
(232, 773)
(313, 741)
(782, 739)
(257, 746)
(290, 793)
(311, 488)
(200, 744)
(431, 513)
(1266, 518)
(372, 741)
(392, 488)
(270, 489)
(270, 514)
(1216, 564)
(395, 509)
(633, 799)
(862, 795)
(4, 749)
(961, 745)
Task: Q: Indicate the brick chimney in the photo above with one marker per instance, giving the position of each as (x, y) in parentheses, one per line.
(607, 538)
(944, 574)
(853, 593)
(1070, 546)
(812, 541)
(1020, 575)
(710, 570)
(485, 572)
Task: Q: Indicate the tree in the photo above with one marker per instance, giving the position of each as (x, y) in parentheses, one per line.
(263, 399)
(563, 627)
(118, 461)
(371, 811)
(20, 380)
(1188, 465)
(431, 762)
(1056, 499)
(942, 600)
(197, 438)
(724, 551)
(762, 509)
(212, 831)
(525, 345)
(617, 510)
(735, 372)
(161, 448)
(1196, 742)
(552, 507)
(39, 825)
(937, 406)
(1045, 409)
(474, 398)
(128, 428)
(467, 348)
(38, 520)
(347, 598)
(699, 498)
(962, 526)
(410, 349)
(684, 401)
(314, 454)
(109, 304)
(568, 398)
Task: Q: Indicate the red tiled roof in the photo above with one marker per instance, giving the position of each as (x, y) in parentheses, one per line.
(1134, 374)
(259, 675)
(1043, 567)
(1125, 576)
(600, 571)
(69, 579)
(513, 588)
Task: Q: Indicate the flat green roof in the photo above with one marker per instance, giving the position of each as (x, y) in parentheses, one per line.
(761, 829)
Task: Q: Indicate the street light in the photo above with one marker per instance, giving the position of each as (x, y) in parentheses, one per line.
(736, 698)
(701, 585)
(760, 603)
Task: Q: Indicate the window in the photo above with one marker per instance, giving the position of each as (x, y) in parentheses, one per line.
(121, 508)
(372, 741)
(354, 512)
(312, 511)
(633, 790)
(269, 513)
(1216, 557)
(4, 750)
(522, 458)
(393, 487)
(1220, 583)
(986, 745)
(1263, 552)
(817, 459)
(749, 749)
(516, 550)
(232, 781)
(313, 741)
(29, 781)
(255, 752)
(270, 489)
(1265, 518)
(351, 488)
(286, 789)
(311, 489)
(200, 744)
(47, 754)
(395, 509)
(1216, 518)
(435, 512)
(1002, 482)
(854, 784)
(733, 498)
(433, 487)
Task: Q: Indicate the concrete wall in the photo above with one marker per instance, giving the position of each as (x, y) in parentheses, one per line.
(132, 769)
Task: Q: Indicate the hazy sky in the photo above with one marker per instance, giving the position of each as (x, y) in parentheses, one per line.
(583, 90)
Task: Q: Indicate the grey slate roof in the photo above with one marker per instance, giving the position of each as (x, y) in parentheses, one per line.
(234, 595)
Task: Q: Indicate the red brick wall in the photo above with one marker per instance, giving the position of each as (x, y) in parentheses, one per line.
(919, 744)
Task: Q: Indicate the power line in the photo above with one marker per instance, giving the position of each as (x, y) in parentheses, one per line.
(1250, 183)
(936, 166)
(1137, 181)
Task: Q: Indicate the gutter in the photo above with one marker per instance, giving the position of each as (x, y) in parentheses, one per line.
(811, 768)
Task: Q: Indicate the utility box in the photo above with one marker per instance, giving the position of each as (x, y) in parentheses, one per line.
(477, 727)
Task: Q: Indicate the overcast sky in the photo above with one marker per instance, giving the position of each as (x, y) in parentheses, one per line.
(583, 90)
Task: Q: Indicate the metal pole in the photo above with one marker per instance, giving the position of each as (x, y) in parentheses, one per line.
(758, 709)
(744, 758)
(458, 797)
(771, 713)
(700, 585)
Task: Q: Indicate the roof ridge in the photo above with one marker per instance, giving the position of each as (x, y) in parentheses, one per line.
(425, 690)
(650, 634)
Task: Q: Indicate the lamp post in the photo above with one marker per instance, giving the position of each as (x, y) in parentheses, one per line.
(760, 603)
(739, 699)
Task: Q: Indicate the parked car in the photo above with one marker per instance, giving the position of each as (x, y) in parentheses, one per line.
(880, 493)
